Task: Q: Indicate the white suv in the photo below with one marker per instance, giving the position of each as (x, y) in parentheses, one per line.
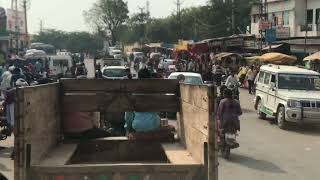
(289, 93)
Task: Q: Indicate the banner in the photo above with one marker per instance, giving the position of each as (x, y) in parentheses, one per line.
(16, 21)
(3, 22)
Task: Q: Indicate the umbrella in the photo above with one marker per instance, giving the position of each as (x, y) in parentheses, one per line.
(313, 57)
(278, 58)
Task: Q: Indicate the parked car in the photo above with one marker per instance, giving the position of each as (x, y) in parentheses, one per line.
(115, 72)
(190, 78)
(289, 93)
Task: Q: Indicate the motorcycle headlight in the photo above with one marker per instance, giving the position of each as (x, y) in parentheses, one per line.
(294, 104)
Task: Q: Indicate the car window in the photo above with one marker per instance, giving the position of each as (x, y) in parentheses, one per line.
(115, 72)
(189, 79)
(273, 78)
(261, 77)
(299, 82)
(267, 78)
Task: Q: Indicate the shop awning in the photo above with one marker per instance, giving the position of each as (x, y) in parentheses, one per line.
(278, 58)
(313, 57)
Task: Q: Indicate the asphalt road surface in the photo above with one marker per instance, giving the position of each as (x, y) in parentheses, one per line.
(266, 152)
(269, 153)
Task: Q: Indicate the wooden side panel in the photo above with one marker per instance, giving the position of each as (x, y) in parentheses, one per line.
(128, 86)
(197, 124)
(122, 172)
(153, 95)
(120, 103)
(38, 122)
(194, 119)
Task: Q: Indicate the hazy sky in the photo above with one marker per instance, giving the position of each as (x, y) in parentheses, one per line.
(67, 14)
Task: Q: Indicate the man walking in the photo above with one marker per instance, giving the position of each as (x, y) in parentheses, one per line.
(250, 78)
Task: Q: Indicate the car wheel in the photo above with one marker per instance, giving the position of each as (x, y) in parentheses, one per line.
(282, 124)
(261, 115)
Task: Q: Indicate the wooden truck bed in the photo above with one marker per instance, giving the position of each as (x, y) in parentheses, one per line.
(43, 155)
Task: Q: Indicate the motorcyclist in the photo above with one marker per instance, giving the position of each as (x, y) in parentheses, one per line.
(232, 83)
(229, 111)
(218, 71)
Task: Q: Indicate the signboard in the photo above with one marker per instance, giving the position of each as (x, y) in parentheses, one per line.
(3, 22)
(271, 35)
(283, 32)
(263, 25)
(249, 43)
(234, 42)
(215, 43)
(16, 21)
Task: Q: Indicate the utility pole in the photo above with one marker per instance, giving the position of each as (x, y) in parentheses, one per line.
(17, 29)
(306, 29)
(41, 26)
(263, 18)
(26, 22)
(178, 4)
(233, 23)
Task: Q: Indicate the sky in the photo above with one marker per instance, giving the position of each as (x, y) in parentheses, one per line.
(67, 15)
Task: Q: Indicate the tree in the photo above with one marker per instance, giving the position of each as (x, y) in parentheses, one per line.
(107, 16)
(72, 41)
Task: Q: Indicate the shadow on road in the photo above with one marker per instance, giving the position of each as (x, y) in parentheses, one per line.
(252, 163)
(246, 110)
(305, 129)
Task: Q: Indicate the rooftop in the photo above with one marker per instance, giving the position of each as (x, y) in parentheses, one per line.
(287, 69)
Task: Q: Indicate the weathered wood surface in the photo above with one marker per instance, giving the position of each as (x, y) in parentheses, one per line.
(197, 125)
(148, 95)
(38, 124)
(154, 86)
(121, 172)
(120, 103)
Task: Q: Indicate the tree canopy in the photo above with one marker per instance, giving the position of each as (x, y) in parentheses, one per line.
(72, 41)
(107, 16)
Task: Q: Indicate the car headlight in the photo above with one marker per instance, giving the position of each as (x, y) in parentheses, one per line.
(294, 104)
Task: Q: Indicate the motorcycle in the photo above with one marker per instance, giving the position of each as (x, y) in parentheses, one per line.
(227, 142)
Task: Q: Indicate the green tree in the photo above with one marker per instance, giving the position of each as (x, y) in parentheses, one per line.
(72, 41)
(107, 16)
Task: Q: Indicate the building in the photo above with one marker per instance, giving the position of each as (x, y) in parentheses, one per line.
(288, 17)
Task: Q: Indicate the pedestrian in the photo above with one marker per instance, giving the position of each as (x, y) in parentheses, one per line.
(191, 66)
(250, 77)
(17, 75)
(38, 66)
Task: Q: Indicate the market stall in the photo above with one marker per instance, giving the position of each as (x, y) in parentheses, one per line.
(312, 62)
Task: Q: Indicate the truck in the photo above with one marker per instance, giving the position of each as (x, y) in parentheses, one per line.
(42, 153)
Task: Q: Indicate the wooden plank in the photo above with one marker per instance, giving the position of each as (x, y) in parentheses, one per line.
(196, 117)
(120, 103)
(42, 119)
(212, 149)
(177, 154)
(155, 86)
(195, 95)
(38, 124)
(60, 155)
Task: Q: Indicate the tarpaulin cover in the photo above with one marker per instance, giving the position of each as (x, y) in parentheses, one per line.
(278, 58)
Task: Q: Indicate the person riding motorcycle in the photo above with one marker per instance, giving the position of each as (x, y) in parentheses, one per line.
(232, 83)
(229, 111)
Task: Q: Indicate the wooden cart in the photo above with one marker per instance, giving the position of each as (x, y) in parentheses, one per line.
(42, 154)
